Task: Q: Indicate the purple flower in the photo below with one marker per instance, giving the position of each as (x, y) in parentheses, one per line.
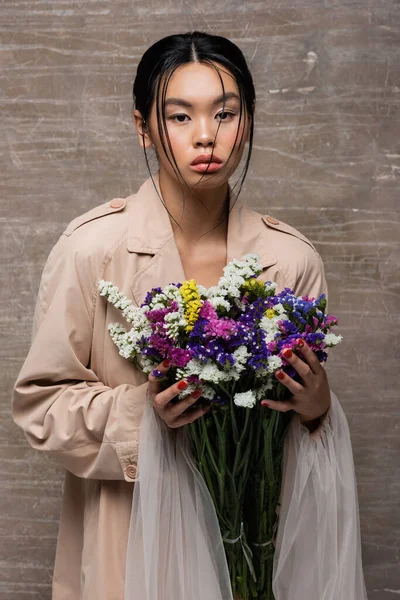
(207, 311)
(180, 356)
(223, 328)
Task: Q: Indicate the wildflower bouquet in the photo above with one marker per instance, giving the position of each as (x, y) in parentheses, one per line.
(227, 340)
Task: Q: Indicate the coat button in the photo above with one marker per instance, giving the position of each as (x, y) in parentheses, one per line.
(116, 203)
(131, 471)
(272, 220)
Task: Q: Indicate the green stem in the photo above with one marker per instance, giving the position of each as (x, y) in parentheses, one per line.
(208, 445)
(221, 456)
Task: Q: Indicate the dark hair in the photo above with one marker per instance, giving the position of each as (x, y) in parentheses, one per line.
(161, 59)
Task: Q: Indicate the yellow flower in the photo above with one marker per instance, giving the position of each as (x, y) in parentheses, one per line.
(270, 313)
(254, 286)
(192, 302)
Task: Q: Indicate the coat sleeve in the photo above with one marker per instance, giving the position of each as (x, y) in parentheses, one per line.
(318, 542)
(63, 408)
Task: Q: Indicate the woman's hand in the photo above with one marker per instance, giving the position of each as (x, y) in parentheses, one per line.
(175, 415)
(310, 400)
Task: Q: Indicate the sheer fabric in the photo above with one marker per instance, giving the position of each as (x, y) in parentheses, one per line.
(175, 549)
(318, 544)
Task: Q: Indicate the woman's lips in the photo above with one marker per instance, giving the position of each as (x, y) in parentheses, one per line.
(200, 167)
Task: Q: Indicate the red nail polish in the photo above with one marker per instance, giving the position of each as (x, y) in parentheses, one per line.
(287, 353)
(280, 375)
(182, 385)
(196, 394)
(300, 343)
(265, 404)
(166, 363)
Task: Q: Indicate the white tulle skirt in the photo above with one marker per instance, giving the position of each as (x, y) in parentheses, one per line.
(175, 549)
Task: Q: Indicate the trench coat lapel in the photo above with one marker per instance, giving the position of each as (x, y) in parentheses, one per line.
(150, 232)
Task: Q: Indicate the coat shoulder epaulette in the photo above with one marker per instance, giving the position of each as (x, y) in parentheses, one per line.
(286, 228)
(110, 207)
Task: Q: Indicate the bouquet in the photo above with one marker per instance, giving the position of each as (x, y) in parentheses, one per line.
(227, 340)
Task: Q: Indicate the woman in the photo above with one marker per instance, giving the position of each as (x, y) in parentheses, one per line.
(80, 402)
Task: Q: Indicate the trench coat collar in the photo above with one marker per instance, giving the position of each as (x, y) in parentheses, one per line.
(150, 232)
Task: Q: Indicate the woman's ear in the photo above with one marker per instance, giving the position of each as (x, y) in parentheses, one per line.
(142, 129)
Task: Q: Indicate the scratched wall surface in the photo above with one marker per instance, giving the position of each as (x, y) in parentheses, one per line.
(326, 159)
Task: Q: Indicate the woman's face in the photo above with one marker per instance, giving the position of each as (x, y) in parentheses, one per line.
(193, 111)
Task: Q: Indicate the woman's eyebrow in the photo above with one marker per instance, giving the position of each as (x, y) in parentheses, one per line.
(181, 102)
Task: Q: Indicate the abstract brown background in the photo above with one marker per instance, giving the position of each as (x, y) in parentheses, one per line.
(326, 159)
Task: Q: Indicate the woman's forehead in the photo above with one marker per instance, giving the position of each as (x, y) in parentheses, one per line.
(197, 83)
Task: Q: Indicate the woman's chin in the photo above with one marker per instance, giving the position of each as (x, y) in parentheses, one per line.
(206, 181)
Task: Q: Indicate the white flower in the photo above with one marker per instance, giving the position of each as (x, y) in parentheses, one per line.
(171, 292)
(278, 308)
(270, 327)
(119, 300)
(147, 364)
(158, 301)
(245, 399)
(116, 330)
(120, 338)
(157, 305)
(193, 367)
(202, 290)
(175, 322)
(114, 296)
(331, 339)
(211, 372)
(240, 355)
(236, 272)
(261, 392)
(269, 337)
(217, 301)
(207, 392)
(270, 287)
(274, 362)
(211, 291)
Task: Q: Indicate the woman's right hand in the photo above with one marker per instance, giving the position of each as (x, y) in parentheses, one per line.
(174, 415)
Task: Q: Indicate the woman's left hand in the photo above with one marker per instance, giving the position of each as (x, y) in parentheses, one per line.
(311, 399)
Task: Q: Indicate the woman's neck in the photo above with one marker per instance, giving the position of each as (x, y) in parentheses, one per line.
(196, 215)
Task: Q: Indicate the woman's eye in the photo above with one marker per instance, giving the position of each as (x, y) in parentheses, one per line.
(223, 115)
(174, 117)
(224, 112)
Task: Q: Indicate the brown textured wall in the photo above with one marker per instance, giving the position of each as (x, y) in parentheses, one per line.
(326, 159)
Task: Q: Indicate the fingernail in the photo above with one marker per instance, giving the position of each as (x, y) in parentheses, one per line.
(287, 353)
(264, 404)
(166, 363)
(206, 408)
(182, 385)
(196, 394)
(280, 375)
(300, 343)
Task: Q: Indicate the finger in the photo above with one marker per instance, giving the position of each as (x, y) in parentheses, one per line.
(190, 418)
(278, 405)
(165, 396)
(292, 385)
(309, 356)
(175, 410)
(302, 368)
(156, 376)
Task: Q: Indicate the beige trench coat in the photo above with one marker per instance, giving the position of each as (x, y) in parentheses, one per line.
(80, 402)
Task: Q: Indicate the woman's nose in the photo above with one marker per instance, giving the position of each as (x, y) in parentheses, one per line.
(204, 133)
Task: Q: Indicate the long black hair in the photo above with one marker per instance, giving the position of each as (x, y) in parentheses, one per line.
(157, 66)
